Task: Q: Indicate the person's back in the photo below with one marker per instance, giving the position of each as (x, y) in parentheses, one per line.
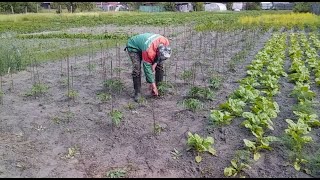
(151, 49)
(141, 42)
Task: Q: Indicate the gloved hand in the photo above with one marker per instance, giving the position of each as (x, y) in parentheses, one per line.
(154, 89)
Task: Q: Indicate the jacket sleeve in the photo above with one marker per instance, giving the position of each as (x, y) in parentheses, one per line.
(147, 68)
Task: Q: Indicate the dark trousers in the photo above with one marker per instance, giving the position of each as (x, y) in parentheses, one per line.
(136, 59)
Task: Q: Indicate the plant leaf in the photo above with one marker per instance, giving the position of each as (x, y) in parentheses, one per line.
(198, 159)
(256, 156)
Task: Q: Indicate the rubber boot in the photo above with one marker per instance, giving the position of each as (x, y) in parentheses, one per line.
(159, 76)
(137, 88)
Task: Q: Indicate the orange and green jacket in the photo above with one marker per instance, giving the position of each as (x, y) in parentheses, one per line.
(147, 44)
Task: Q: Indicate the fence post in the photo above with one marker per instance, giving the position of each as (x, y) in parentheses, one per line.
(12, 10)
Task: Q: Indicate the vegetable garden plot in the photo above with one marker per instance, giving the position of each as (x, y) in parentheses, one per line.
(100, 129)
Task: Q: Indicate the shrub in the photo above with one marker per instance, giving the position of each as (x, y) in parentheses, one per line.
(302, 7)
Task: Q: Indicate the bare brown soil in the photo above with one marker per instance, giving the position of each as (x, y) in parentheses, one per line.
(34, 144)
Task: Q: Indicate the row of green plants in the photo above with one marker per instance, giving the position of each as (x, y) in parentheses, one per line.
(197, 94)
(117, 36)
(256, 90)
(27, 23)
(299, 130)
(313, 54)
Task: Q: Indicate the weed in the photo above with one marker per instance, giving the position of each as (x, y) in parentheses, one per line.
(91, 67)
(114, 85)
(130, 106)
(104, 97)
(158, 129)
(200, 145)
(187, 75)
(192, 104)
(116, 117)
(72, 151)
(313, 164)
(64, 82)
(238, 163)
(72, 94)
(116, 173)
(163, 88)
(215, 82)
(142, 100)
(201, 92)
(37, 89)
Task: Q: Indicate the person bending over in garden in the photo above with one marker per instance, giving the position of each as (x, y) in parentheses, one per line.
(152, 50)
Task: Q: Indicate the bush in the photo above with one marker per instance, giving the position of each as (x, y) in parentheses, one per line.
(229, 5)
(169, 6)
(253, 6)
(199, 6)
(302, 7)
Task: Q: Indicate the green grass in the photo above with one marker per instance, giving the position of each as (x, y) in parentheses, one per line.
(37, 22)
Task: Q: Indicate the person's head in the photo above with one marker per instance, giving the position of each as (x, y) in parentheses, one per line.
(163, 52)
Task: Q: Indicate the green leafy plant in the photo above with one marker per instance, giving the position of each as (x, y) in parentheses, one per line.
(116, 117)
(303, 92)
(310, 119)
(37, 89)
(220, 117)
(104, 97)
(238, 164)
(201, 92)
(164, 87)
(114, 85)
(215, 82)
(200, 145)
(72, 94)
(235, 106)
(130, 106)
(245, 93)
(298, 133)
(187, 75)
(262, 143)
(192, 104)
(116, 173)
(158, 128)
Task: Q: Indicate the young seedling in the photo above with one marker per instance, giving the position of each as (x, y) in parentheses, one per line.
(200, 145)
(116, 117)
(114, 85)
(220, 117)
(104, 97)
(130, 106)
(163, 88)
(187, 75)
(192, 104)
(116, 173)
(72, 94)
(37, 89)
(201, 92)
(158, 128)
(72, 151)
(215, 82)
(238, 164)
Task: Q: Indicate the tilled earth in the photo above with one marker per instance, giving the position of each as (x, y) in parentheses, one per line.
(52, 136)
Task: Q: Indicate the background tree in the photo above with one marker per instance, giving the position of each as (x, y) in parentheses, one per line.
(302, 7)
(19, 7)
(169, 6)
(85, 6)
(253, 6)
(198, 6)
(229, 5)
